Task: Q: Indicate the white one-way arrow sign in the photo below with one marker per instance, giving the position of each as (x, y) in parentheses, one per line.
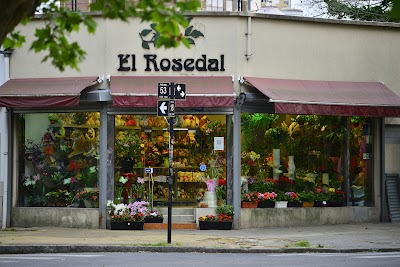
(180, 91)
(162, 108)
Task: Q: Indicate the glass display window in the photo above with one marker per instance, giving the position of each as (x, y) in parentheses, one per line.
(142, 141)
(58, 159)
(305, 155)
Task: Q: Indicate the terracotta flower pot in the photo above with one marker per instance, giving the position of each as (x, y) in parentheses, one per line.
(247, 205)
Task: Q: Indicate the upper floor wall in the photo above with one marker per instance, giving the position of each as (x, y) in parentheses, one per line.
(239, 44)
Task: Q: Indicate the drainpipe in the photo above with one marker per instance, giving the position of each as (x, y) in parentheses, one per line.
(248, 34)
(236, 164)
(382, 144)
(4, 148)
(237, 183)
(103, 166)
(346, 159)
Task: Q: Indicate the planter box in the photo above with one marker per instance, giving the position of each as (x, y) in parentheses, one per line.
(247, 205)
(320, 204)
(281, 204)
(154, 220)
(308, 204)
(127, 225)
(215, 225)
(334, 204)
(294, 204)
(266, 204)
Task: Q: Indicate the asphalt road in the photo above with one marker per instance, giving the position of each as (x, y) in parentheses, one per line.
(202, 259)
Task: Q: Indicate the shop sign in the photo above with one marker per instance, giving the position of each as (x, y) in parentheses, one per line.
(151, 62)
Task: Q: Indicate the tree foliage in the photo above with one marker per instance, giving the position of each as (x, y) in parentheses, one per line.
(60, 23)
(366, 10)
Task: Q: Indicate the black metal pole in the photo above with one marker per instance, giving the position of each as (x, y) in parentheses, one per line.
(171, 171)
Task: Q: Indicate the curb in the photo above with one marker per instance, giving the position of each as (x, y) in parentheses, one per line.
(35, 249)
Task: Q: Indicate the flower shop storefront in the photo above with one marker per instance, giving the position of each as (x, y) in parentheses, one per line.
(312, 144)
(200, 139)
(61, 173)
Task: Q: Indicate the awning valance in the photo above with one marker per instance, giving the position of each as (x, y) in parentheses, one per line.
(43, 92)
(370, 99)
(141, 91)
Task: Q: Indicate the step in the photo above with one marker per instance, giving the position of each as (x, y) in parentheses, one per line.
(178, 211)
(162, 226)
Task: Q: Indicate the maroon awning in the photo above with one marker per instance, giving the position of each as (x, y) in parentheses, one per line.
(141, 91)
(43, 92)
(370, 99)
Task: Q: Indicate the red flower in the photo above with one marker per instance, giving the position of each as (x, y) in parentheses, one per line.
(221, 182)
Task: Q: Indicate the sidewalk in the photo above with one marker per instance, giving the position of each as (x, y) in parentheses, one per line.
(325, 238)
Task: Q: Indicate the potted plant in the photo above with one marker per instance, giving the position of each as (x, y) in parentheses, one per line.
(90, 197)
(138, 188)
(281, 200)
(221, 221)
(220, 192)
(154, 216)
(249, 200)
(266, 200)
(322, 195)
(294, 201)
(336, 197)
(59, 198)
(128, 216)
(307, 198)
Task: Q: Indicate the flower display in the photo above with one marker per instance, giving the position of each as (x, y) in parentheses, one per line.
(250, 197)
(127, 144)
(282, 196)
(211, 183)
(224, 213)
(336, 195)
(138, 187)
(207, 218)
(267, 196)
(293, 196)
(133, 212)
(249, 159)
(88, 194)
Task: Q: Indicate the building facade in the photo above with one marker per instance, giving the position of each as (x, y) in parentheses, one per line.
(239, 63)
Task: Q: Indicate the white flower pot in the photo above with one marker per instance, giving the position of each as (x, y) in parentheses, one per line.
(281, 204)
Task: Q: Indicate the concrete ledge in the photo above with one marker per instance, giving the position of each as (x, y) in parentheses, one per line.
(250, 218)
(259, 218)
(55, 217)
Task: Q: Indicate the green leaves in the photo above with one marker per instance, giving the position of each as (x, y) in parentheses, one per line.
(166, 15)
(15, 39)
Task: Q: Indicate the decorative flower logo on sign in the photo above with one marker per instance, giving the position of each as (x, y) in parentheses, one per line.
(149, 36)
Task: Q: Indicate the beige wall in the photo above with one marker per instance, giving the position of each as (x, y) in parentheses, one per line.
(293, 48)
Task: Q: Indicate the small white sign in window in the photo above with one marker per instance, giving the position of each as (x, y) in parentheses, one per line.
(218, 143)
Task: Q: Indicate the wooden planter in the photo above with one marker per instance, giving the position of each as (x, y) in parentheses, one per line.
(153, 219)
(127, 225)
(215, 225)
(247, 205)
